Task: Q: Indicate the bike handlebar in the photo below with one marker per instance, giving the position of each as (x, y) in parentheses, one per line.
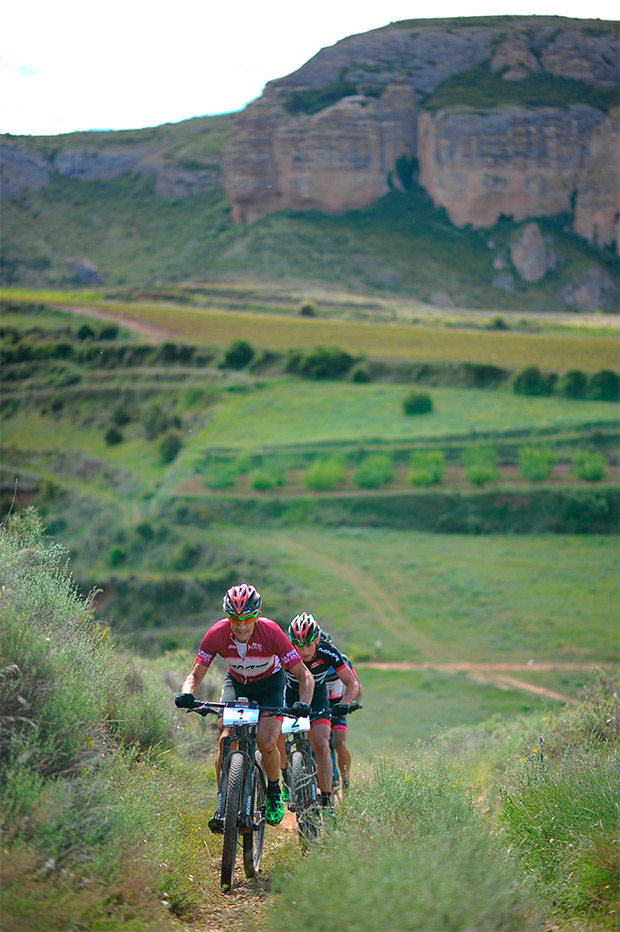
(204, 707)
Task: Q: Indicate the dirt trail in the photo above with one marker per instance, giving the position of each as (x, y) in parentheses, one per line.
(153, 332)
(393, 621)
(494, 673)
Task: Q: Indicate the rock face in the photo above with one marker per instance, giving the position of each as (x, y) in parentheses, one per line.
(329, 136)
(597, 207)
(334, 160)
(86, 165)
(21, 170)
(517, 162)
(594, 290)
(84, 271)
(531, 256)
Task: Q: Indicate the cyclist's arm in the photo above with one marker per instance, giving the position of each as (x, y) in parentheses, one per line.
(350, 682)
(194, 679)
(306, 681)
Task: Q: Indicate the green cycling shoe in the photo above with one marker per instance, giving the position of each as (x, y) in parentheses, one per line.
(274, 809)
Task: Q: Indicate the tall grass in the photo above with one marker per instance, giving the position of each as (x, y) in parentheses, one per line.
(410, 852)
(100, 825)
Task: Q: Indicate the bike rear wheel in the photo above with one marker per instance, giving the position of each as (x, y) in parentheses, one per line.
(253, 842)
(231, 820)
(305, 793)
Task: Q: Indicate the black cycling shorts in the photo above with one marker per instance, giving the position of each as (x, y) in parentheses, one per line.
(269, 691)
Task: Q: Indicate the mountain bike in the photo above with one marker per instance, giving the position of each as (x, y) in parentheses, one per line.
(302, 779)
(242, 786)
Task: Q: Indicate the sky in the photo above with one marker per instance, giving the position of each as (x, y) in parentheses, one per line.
(74, 65)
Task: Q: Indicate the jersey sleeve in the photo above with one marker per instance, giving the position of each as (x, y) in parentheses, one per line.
(332, 656)
(207, 650)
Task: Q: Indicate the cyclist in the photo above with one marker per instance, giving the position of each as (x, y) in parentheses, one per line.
(319, 656)
(335, 689)
(257, 652)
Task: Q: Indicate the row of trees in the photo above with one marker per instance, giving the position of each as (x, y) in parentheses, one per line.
(426, 468)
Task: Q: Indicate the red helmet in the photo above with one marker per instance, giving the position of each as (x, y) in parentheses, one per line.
(242, 600)
(303, 629)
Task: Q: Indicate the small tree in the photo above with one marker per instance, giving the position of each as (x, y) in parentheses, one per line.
(324, 474)
(427, 467)
(604, 386)
(573, 384)
(85, 332)
(480, 465)
(589, 465)
(536, 463)
(374, 470)
(417, 403)
(307, 309)
(531, 381)
(113, 436)
(169, 447)
(238, 355)
(263, 479)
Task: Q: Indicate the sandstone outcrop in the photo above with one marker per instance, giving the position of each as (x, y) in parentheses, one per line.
(597, 207)
(514, 162)
(83, 271)
(482, 161)
(531, 256)
(594, 290)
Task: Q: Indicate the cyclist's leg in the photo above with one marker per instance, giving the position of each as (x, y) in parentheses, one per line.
(343, 754)
(319, 738)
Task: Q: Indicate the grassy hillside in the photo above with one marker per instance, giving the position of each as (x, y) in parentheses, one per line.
(106, 791)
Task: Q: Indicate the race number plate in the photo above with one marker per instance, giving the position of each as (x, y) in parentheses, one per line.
(290, 725)
(240, 716)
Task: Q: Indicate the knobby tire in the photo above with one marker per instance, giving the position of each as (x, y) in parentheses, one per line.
(253, 842)
(231, 819)
(306, 809)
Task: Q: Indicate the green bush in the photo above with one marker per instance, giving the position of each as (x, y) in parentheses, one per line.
(589, 465)
(113, 436)
(323, 363)
(170, 446)
(263, 479)
(426, 467)
(374, 470)
(220, 477)
(480, 465)
(121, 416)
(604, 386)
(108, 332)
(573, 384)
(536, 463)
(324, 474)
(361, 373)
(531, 381)
(307, 309)
(238, 355)
(85, 332)
(417, 403)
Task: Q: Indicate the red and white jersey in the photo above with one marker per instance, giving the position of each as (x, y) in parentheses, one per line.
(266, 652)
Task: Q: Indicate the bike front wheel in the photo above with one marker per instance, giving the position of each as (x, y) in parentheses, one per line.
(253, 842)
(231, 820)
(305, 793)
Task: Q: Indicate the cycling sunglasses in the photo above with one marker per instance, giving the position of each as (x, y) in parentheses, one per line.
(244, 618)
(296, 643)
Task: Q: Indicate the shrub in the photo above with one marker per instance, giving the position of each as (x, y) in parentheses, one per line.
(170, 446)
(480, 375)
(220, 477)
(325, 363)
(117, 556)
(109, 332)
(417, 403)
(238, 355)
(263, 479)
(589, 465)
(113, 436)
(361, 373)
(121, 416)
(85, 332)
(374, 470)
(307, 309)
(426, 467)
(604, 386)
(497, 323)
(536, 463)
(480, 465)
(573, 384)
(531, 381)
(324, 474)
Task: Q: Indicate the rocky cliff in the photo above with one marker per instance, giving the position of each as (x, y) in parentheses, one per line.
(502, 117)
